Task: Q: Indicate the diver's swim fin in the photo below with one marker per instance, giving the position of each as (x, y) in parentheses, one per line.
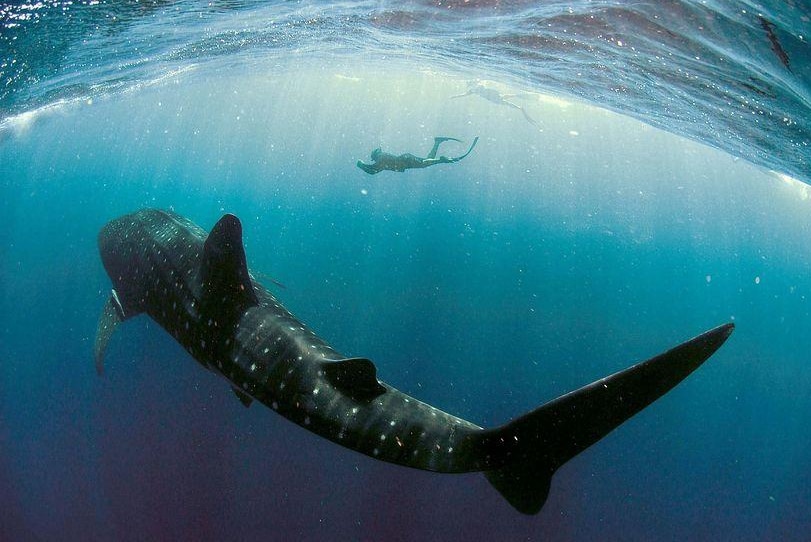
(476, 140)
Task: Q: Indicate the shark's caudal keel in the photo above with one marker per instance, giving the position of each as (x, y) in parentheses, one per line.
(198, 288)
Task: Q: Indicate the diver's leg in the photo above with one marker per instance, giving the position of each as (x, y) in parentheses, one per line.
(523, 112)
(432, 154)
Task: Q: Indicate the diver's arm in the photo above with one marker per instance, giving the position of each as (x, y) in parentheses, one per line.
(371, 169)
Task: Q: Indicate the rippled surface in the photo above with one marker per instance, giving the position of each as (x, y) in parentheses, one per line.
(732, 75)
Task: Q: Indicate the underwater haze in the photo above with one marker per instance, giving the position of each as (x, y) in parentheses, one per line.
(640, 177)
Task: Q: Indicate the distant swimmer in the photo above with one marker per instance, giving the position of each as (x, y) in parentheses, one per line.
(494, 96)
(383, 161)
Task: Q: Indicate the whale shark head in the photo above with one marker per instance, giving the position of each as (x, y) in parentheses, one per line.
(120, 243)
(134, 245)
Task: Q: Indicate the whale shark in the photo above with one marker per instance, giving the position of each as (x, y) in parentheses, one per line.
(196, 285)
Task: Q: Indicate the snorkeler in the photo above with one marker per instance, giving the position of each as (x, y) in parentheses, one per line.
(383, 161)
(492, 95)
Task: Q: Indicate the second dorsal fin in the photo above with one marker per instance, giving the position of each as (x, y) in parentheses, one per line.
(224, 272)
(243, 397)
(356, 377)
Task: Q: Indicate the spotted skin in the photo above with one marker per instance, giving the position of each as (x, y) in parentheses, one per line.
(197, 286)
(154, 259)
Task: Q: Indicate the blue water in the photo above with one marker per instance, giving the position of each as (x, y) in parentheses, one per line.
(553, 255)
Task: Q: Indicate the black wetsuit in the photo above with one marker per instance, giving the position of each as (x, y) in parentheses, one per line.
(383, 161)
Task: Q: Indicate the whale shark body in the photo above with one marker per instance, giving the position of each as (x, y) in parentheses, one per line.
(197, 286)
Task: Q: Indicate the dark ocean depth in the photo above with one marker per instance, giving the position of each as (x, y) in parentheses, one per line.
(571, 243)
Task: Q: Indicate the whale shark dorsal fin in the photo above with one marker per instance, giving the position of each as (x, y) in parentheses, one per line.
(356, 377)
(224, 267)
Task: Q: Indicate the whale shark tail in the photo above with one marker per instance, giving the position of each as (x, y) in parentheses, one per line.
(532, 447)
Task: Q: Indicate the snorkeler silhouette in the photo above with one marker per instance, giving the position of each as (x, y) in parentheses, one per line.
(494, 96)
(383, 161)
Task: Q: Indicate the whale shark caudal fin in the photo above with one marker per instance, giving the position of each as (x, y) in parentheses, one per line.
(535, 445)
(111, 316)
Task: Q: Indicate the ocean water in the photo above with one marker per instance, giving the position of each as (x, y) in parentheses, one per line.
(648, 182)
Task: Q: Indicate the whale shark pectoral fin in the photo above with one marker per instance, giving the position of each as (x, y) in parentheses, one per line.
(243, 397)
(225, 269)
(111, 316)
(355, 377)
